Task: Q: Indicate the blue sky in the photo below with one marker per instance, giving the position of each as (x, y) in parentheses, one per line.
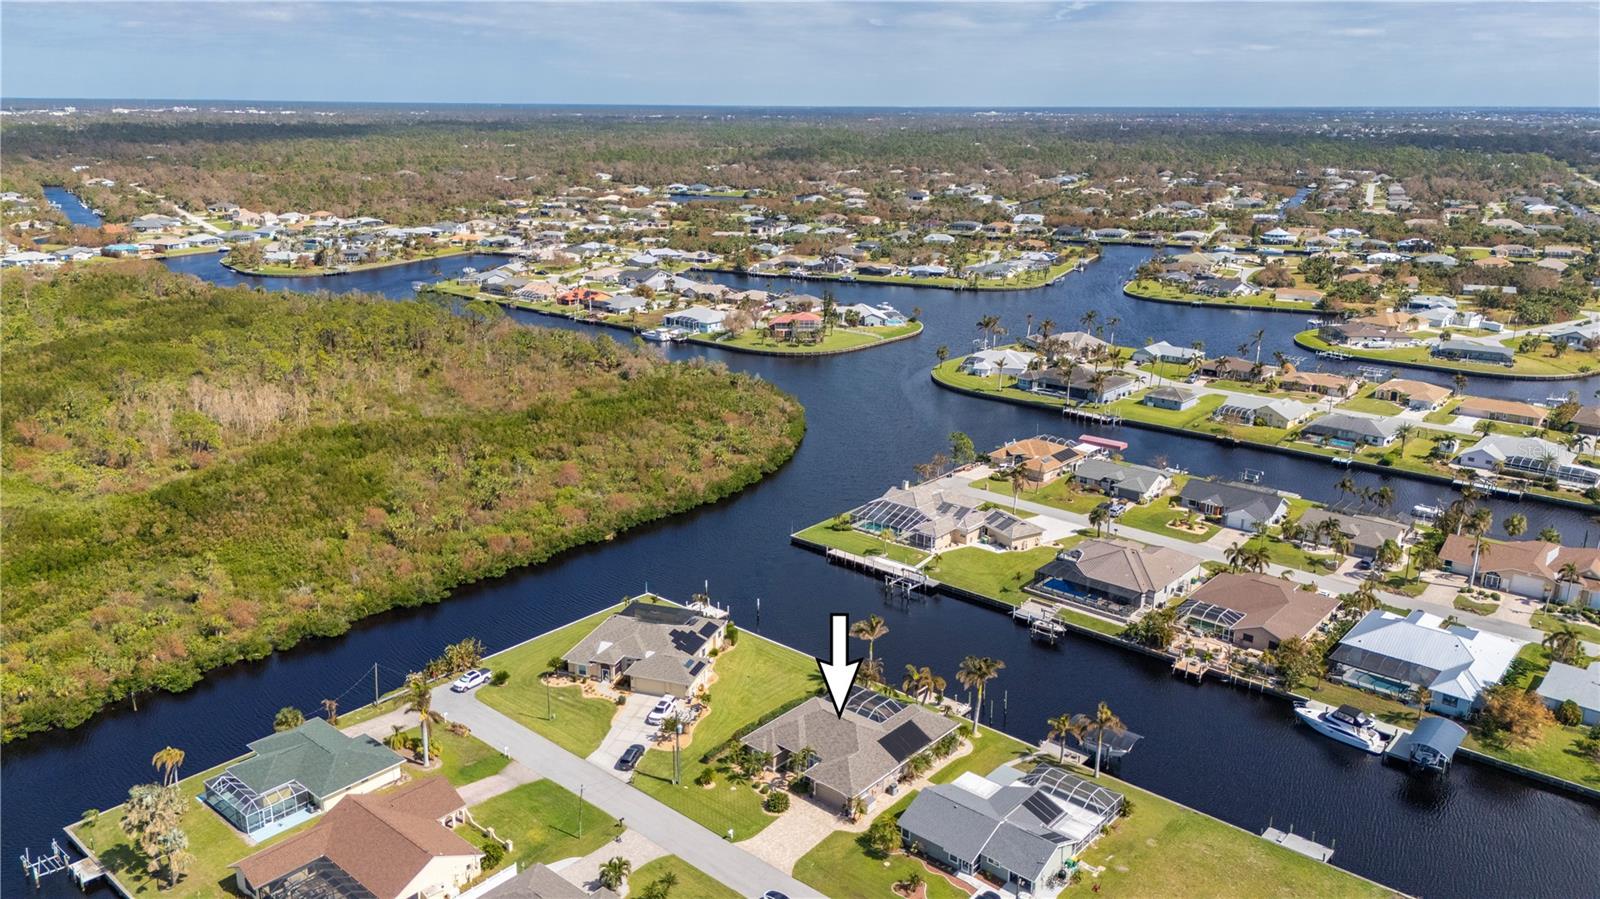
(1285, 52)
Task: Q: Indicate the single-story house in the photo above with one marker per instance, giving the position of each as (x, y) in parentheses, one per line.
(1528, 457)
(1171, 396)
(1563, 683)
(1255, 611)
(1319, 382)
(1352, 428)
(1398, 654)
(1470, 350)
(1510, 411)
(1239, 506)
(925, 517)
(1042, 459)
(859, 753)
(539, 881)
(1255, 409)
(1587, 420)
(987, 363)
(1161, 351)
(295, 774)
(1418, 395)
(1079, 382)
(1529, 568)
(1233, 368)
(696, 319)
(1020, 834)
(1121, 480)
(395, 845)
(1365, 532)
(1125, 579)
(660, 649)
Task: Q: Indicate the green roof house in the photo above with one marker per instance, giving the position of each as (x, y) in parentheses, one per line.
(294, 775)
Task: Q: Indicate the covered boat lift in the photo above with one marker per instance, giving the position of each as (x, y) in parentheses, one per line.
(1431, 747)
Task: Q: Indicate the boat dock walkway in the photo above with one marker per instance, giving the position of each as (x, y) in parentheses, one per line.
(1295, 843)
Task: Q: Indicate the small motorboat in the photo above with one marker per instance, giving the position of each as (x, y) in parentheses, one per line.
(1425, 513)
(1347, 724)
(660, 335)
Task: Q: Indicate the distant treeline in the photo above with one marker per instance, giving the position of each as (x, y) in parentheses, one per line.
(197, 475)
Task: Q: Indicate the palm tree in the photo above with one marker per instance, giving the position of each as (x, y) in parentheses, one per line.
(1346, 485)
(1384, 496)
(802, 759)
(1098, 516)
(974, 674)
(1363, 600)
(1568, 574)
(1256, 557)
(1404, 432)
(168, 761)
(869, 629)
(330, 710)
(1062, 726)
(1019, 479)
(1565, 644)
(1549, 534)
(1460, 382)
(288, 718)
(419, 699)
(1515, 524)
(922, 683)
(614, 872)
(1111, 326)
(1424, 697)
(987, 326)
(1088, 319)
(1104, 720)
(1234, 556)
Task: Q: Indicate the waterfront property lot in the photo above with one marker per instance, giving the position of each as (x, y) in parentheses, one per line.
(1282, 552)
(862, 544)
(997, 575)
(571, 720)
(1159, 514)
(692, 883)
(1541, 362)
(1060, 493)
(837, 340)
(544, 822)
(1161, 849)
(754, 679)
(1153, 290)
(465, 758)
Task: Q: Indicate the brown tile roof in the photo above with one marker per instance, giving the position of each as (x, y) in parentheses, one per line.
(381, 840)
(1432, 393)
(1273, 604)
(1535, 558)
(1473, 405)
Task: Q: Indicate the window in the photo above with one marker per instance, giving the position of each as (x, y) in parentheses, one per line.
(1247, 638)
(1449, 701)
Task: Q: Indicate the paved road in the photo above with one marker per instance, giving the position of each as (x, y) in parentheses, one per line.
(723, 861)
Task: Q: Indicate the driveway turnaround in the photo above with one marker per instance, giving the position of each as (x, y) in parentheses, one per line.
(627, 728)
(721, 860)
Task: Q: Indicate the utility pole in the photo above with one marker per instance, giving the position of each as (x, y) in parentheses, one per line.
(549, 708)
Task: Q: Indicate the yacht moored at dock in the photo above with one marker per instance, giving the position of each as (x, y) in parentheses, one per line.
(1347, 724)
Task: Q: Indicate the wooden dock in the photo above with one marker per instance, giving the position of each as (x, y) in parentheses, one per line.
(1190, 667)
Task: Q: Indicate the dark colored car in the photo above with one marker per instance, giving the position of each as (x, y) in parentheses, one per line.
(630, 757)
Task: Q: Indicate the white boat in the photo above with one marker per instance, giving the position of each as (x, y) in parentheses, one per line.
(1423, 512)
(1347, 724)
(660, 335)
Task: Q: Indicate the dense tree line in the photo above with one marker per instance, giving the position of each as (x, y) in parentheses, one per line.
(197, 475)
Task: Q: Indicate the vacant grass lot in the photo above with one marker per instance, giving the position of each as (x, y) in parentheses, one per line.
(691, 882)
(753, 679)
(998, 575)
(1157, 515)
(1060, 493)
(544, 823)
(579, 722)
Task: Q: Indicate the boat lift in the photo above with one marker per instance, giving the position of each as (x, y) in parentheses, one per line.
(40, 866)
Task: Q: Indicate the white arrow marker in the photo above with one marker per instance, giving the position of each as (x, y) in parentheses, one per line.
(837, 673)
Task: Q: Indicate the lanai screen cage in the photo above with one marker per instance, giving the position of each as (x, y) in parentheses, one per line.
(249, 810)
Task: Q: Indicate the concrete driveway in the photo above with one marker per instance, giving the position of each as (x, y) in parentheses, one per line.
(627, 728)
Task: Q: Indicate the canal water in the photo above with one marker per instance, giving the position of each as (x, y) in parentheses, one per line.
(871, 416)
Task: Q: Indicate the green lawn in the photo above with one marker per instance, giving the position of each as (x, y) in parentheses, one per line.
(1155, 517)
(692, 882)
(1151, 290)
(1364, 402)
(1162, 849)
(214, 844)
(466, 759)
(1060, 493)
(1282, 552)
(862, 544)
(542, 821)
(999, 575)
(1545, 621)
(580, 723)
(753, 679)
